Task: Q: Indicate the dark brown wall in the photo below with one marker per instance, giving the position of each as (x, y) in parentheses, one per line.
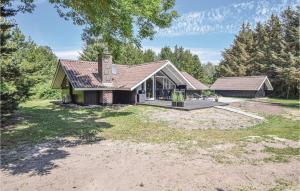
(236, 93)
(124, 97)
(91, 97)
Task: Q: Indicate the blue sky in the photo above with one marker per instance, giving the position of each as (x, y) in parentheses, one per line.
(204, 27)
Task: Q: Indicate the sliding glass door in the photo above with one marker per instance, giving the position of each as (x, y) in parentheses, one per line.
(150, 89)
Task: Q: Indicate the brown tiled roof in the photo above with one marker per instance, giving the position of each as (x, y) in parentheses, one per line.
(196, 83)
(240, 83)
(83, 74)
(128, 76)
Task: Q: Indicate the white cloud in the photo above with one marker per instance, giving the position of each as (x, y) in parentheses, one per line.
(205, 54)
(226, 19)
(68, 54)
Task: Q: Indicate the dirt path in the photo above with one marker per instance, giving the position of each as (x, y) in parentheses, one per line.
(116, 165)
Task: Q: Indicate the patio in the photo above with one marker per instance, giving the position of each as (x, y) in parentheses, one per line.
(188, 104)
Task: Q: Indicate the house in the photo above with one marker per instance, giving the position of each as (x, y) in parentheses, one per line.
(103, 82)
(246, 86)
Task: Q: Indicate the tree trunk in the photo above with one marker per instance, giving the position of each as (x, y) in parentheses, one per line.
(288, 91)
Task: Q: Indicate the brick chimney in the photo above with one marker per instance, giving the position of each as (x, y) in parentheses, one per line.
(105, 68)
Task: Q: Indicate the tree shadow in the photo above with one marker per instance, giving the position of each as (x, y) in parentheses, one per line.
(39, 138)
(38, 162)
(287, 105)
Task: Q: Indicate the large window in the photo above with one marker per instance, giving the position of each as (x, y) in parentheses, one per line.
(163, 86)
(163, 82)
(149, 88)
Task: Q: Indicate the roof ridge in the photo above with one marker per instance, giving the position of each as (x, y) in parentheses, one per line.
(244, 76)
(70, 60)
(146, 63)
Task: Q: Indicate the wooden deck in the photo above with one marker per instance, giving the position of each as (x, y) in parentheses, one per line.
(188, 105)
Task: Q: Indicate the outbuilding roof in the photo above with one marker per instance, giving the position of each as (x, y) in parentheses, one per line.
(247, 83)
(84, 75)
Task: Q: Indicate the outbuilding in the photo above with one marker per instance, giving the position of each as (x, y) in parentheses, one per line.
(246, 86)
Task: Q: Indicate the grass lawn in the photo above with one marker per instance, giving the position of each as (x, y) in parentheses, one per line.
(293, 103)
(42, 121)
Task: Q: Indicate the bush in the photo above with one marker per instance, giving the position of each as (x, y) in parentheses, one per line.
(208, 93)
(44, 91)
(180, 97)
(177, 97)
(174, 97)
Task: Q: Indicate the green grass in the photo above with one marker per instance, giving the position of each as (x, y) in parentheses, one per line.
(292, 103)
(283, 151)
(43, 121)
(281, 154)
(282, 185)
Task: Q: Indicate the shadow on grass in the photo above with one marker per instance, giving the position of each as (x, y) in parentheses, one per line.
(292, 104)
(288, 105)
(36, 142)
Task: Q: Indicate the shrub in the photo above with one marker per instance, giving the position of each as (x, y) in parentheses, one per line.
(174, 97)
(44, 91)
(180, 97)
(207, 93)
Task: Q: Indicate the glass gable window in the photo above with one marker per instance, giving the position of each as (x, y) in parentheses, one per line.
(163, 82)
(163, 86)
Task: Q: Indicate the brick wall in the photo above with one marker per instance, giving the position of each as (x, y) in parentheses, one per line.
(106, 97)
(105, 69)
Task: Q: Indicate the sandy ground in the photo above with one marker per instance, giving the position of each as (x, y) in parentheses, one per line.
(203, 119)
(267, 109)
(116, 165)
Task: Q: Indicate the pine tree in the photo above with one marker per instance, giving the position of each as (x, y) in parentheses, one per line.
(260, 45)
(184, 60)
(149, 56)
(290, 22)
(91, 51)
(129, 54)
(272, 49)
(236, 59)
(5, 28)
(166, 54)
(209, 72)
(276, 55)
(291, 28)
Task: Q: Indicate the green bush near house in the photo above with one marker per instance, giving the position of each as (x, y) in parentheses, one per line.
(207, 93)
(174, 97)
(44, 91)
(180, 97)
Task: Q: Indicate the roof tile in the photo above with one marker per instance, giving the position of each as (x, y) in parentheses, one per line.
(238, 83)
(83, 74)
(196, 83)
